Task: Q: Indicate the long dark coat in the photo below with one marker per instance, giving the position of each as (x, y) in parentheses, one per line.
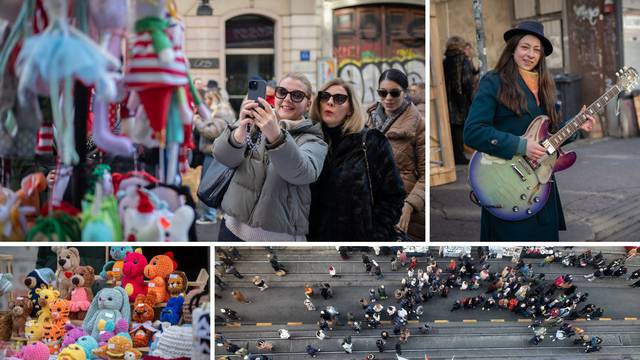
(494, 129)
(341, 208)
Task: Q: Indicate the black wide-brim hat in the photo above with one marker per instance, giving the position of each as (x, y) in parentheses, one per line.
(534, 28)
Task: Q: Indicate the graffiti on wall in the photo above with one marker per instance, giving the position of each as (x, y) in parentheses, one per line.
(363, 74)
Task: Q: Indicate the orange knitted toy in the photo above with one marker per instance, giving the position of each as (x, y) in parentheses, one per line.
(157, 272)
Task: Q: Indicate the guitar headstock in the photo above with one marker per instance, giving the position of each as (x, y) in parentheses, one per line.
(627, 78)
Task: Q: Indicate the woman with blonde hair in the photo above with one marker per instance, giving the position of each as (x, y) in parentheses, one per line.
(277, 153)
(359, 194)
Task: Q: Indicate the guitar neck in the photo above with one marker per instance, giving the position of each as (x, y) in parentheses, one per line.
(570, 128)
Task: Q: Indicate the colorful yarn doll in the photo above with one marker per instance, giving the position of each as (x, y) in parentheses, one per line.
(133, 274)
(35, 351)
(112, 270)
(109, 17)
(157, 272)
(50, 61)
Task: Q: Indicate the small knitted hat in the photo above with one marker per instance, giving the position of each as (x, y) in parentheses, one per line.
(175, 342)
(47, 275)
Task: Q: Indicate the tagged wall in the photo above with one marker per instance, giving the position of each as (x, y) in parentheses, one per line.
(367, 40)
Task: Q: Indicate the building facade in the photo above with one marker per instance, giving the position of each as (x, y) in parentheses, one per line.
(321, 38)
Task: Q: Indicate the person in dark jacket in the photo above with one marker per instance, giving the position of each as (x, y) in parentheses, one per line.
(458, 78)
(359, 194)
(509, 98)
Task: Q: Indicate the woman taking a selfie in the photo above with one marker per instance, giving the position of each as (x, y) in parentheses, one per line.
(400, 121)
(269, 197)
(359, 194)
(509, 98)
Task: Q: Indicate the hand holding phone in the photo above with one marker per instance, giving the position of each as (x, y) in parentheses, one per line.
(257, 89)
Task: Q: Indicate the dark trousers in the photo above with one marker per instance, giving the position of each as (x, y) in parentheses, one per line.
(225, 234)
(458, 144)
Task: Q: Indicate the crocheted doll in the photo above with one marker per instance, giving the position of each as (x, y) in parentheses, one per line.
(81, 294)
(157, 272)
(112, 270)
(35, 280)
(133, 274)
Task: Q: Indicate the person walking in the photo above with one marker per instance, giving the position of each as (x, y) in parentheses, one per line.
(332, 272)
(230, 314)
(347, 345)
(308, 291)
(264, 345)
(326, 291)
(320, 334)
(276, 153)
(277, 266)
(284, 334)
(259, 283)
(382, 294)
(231, 269)
(378, 272)
(380, 345)
(312, 351)
(239, 297)
(309, 305)
(402, 256)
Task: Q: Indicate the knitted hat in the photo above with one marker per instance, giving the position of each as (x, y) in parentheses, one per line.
(47, 275)
(175, 342)
(144, 204)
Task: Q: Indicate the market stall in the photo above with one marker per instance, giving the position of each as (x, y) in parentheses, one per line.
(106, 303)
(94, 140)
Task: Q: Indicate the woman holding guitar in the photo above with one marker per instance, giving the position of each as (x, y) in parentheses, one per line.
(509, 98)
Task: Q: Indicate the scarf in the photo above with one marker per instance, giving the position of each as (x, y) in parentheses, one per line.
(532, 80)
(381, 121)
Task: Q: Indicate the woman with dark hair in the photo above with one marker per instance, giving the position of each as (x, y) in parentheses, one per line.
(519, 89)
(400, 121)
(359, 194)
(459, 80)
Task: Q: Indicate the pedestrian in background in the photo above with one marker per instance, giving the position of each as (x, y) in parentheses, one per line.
(239, 296)
(259, 283)
(231, 269)
(332, 272)
(309, 305)
(459, 81)
(347, 345)
(311, 351)
(308, 291)
(284, 334)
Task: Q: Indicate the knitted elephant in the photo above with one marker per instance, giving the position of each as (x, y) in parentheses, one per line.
(110, 304)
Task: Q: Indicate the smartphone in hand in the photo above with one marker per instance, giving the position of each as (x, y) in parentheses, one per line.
(257, 88)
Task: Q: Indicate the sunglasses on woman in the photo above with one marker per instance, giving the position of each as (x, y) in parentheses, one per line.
(296, 95)
(338, 99)
(394, 93)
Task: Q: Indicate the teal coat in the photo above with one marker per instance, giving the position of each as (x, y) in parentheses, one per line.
(494, 129)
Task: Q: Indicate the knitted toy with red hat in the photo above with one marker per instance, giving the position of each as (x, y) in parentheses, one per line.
(142, 222)
(133, 274)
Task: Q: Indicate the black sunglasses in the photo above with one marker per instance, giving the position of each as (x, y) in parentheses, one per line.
(394, 93)
(338, 99)
(296, 95)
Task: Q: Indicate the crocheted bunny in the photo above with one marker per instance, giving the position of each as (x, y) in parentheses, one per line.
(108, 305)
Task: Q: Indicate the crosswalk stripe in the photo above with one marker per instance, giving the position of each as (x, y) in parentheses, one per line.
(467, 321)
(524, 320)
(294, 323)
(497, 320)
(631, 318)
(440, 321)
(232, 325)
(264, 324)
(580, 320)
(413, 322)
(605, 319)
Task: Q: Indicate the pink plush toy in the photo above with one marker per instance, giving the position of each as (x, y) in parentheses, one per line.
(35, 351)
(72, 334)
(133, 274)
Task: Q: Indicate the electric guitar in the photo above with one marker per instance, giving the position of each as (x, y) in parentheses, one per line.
(517, 188)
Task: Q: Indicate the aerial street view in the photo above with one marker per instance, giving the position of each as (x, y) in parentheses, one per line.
(449, 302)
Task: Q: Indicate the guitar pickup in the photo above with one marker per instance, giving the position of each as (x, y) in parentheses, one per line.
(517, 171)
(548, 147)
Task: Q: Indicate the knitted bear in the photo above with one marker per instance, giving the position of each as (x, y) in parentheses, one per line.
(112, 270)
(20, 309)
(177, 283)
(33, 330)
(81, 293)
(143, 308)
(157, 272)
(68, 260)
(34, 280)
(133, 274)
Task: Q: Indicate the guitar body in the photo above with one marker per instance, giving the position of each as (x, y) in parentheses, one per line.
(517, 188)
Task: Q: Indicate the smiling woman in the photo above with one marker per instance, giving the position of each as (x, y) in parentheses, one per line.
(277, 153)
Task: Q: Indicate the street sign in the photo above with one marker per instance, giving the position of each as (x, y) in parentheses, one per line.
(305, 55)
(204, 63)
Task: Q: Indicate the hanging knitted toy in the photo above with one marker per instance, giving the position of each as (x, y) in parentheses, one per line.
(50, 61)
(110, 18)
